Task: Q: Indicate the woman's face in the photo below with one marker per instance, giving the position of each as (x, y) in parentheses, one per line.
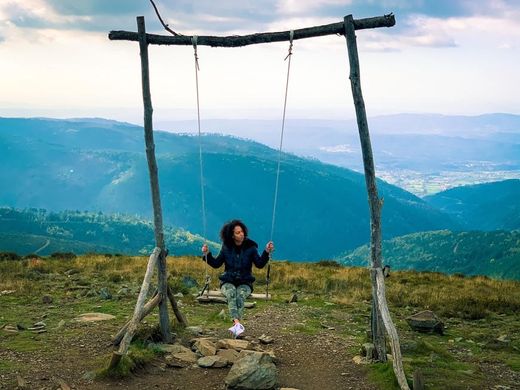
(238, 235)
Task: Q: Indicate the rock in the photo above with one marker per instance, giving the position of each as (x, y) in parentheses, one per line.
(222, 314)
(21, 327)
(229, 354)
(194, 330)
(11, 329)
(254, 371)
(46, 299)
(293, 298)
(189, 282)
(368, 350)
(265, 339)
(104, 293)
(123, 292)
(427, 322)
(171, 348)
(212, 361)
(205, 347)
(179, 295)
(61, 324)
(91, 317)
(184, 357)
(504, 339)
(233, 344)
(71, 271)
(359, 359)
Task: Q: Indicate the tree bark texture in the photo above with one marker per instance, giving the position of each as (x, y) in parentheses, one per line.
(252, 39)
(178, 314)
(390, 329)
(147, 309)
(154, 181)
(380, 313)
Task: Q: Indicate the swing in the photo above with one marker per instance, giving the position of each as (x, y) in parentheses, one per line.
(206, 295)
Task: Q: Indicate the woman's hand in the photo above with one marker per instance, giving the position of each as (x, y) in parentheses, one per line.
(269, 247)
(205, 249)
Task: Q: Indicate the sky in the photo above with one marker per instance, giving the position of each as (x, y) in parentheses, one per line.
(442, 56)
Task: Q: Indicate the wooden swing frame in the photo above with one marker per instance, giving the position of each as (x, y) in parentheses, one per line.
(380, 313)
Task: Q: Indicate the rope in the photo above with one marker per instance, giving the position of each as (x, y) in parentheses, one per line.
(289, 56)
(197, 69)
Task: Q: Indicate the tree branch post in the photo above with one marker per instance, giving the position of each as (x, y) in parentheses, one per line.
(380, 314)
(164, 320)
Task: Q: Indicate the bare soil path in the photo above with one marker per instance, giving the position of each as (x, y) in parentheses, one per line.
(306, 360)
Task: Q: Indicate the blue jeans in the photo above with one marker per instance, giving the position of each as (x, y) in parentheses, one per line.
(236, 297)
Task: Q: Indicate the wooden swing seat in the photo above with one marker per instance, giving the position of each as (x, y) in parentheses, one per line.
(216, 296)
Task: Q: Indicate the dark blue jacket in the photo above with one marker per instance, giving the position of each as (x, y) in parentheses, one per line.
(239, 262)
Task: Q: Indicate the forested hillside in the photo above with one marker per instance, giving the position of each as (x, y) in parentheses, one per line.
(495, 254)
(41, 232)
(488, 206)
(99, 165)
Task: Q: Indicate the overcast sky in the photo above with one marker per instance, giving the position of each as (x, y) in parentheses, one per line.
(443, 56)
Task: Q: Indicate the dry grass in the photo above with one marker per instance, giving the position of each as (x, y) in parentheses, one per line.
(450, 296)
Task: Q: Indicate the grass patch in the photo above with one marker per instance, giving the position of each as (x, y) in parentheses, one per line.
(382, 374)
(138, 356)
(514, 363)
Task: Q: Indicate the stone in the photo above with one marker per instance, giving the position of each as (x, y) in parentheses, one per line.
(212, 362)
(368, 350)
(265, 339)
(46, 299)
(229, 354)
(205, 347)
(426, 322)
(91, 317)
(185, 357)
(194, 330)
(359, 359)
(189, 282)
(104, 293)
(233, 344)
(171, 348)
(61, 324)
(252, 372)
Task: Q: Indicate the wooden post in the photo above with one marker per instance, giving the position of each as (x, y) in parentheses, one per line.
(180, 317)
(380, 313)
(150, 305)
(164, 320)
(138, 311)
(392, 332)
(370, 179)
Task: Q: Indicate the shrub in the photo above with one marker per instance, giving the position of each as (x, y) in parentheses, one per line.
(32, 256)
(329, 263)
(63, 255)
(9, 256)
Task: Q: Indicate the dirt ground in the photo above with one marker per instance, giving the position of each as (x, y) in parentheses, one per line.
(306, 361)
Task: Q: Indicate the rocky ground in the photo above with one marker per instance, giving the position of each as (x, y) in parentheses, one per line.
(304, 360)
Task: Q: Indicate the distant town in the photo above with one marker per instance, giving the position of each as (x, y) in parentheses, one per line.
(423, 184)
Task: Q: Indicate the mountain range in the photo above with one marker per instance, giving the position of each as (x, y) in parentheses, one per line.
(100, 165)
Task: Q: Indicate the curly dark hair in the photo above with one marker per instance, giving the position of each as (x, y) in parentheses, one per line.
(226, 233)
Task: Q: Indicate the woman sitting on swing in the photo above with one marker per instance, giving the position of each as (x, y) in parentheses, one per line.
(238, 254)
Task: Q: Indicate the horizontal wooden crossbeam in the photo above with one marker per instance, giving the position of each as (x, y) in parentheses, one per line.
(252, 39)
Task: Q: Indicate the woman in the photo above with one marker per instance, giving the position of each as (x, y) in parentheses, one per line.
(238, 254)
